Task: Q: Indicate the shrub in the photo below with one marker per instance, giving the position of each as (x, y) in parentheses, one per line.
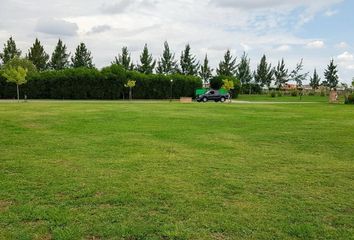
(350, 99)
(217, 82)
(294, 93)
(84, 83)
(279, 94)
(273, 94)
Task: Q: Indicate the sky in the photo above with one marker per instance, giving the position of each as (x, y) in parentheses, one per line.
(316, 31)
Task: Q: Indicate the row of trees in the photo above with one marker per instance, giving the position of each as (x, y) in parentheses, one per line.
(167, 64)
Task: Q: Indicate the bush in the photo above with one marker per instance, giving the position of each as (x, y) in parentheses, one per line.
(294, 93)
(273, 94)
(350, 99)
(311, 94)
(217, 82)
(251, 88)
(83, 83)
(279, 94)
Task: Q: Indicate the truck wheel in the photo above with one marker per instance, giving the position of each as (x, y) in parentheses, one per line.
(222, 99)
(205, 99)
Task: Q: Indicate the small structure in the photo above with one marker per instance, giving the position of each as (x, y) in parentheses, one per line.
(333, 96)
(185, 99)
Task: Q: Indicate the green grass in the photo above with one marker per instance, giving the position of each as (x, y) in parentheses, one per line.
(107, 170)
(268, 98)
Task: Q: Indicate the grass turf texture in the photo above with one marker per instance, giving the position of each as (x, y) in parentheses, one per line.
(268, 98)
(176, 171)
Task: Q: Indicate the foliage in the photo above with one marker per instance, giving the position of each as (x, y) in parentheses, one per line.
(82, 57)
(188, 62)
(60, 57)
(147, 63)
(244, 70)
(228, 66)
(205, 71)
(228, 84)
(331, 75)
(38, 56)
(130, 84)
(264, 73)
(315, 80)
(281, 74)
(217, 82)
(10, 51)
(251, 88)
(349, 99)
(297, 76)
(167, 63)
(15, 75)
(124, 59)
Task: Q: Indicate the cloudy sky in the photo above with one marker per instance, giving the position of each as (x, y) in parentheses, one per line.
(313, 30)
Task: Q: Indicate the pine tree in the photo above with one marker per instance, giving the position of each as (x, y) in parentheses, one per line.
(264, 73)
(228, 66)
(60, 58)
(188, 62)
(10, 51)
(147, 63)
(315, 80)
(205, 71)
(38, 56)
(167, 63)
(298, 77)
(331, 75)
(124, 59)
(243, 70)
(281, 74)
(82, 57)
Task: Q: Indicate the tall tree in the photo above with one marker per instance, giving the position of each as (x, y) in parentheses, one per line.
(205, 71)
(297, 76)
(281, 75)
(228, 66)
(167, 63)
(124, 59)
(264, 73)
(10, 51)
(244, 73)
(60, 57)
(315, 80)
(147, 63)
(38, 56)
(82, 57)
(331, 75)
(188, 62)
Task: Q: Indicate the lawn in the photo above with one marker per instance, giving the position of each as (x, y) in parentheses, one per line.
(159, 170)
(268, 98)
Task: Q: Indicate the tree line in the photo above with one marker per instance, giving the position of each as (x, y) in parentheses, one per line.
(264, 75)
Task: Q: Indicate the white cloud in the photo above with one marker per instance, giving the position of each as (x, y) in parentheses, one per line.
(315, 44)
(283, 48)
(345, 57)
(342, 45)
(330, 13)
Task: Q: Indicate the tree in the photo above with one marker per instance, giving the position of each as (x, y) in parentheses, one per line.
(38, 56)
(147, 63)
(264, 73)
(82, 57)
(124, 59)
(16, 70)
(130, 84)
(281, 74)
(228, 66)
(205, 71)
(188, 62)
(331, 75)
(228, 85)
(315, 80)
(10, 51)
(243, 70)
(60, 57)
(167, 63)
(297, 76)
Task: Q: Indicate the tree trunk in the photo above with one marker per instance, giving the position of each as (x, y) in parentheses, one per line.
(18, 93)
(130, 94)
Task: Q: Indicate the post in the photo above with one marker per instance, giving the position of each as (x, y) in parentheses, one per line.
(18, 93)
(171, 90)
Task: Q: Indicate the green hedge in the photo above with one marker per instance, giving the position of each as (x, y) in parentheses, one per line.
(83, 83)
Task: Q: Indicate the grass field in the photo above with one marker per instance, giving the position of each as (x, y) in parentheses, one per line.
(107, 170)
(268, 98)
